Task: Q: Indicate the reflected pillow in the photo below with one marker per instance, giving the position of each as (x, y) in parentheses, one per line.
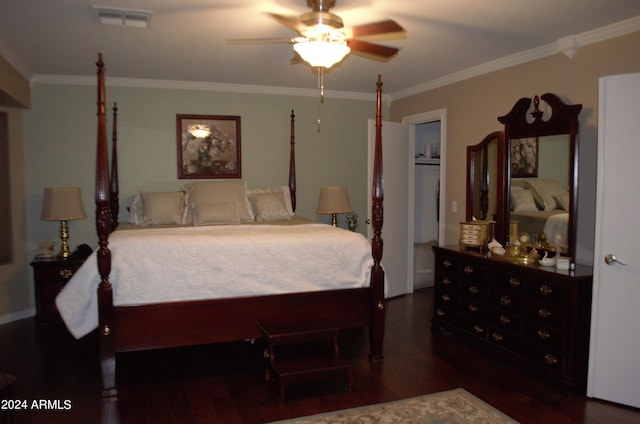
(563, 201)
(522, 201)
(545, 192)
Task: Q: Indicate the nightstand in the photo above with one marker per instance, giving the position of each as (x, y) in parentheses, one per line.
(49, 277)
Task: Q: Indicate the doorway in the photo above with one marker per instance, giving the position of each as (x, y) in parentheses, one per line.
(428, 171)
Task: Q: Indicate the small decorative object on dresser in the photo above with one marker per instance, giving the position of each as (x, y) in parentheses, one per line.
(536, 317)
(49, 277)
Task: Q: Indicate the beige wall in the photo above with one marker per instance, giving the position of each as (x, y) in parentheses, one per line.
(474, 105)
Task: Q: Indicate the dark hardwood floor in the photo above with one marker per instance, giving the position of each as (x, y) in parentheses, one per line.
(225, 383)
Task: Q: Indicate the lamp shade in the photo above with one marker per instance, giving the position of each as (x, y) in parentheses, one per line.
(333, 200)
(62, 204)
(321, 54)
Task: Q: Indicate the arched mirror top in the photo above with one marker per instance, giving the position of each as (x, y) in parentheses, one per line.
(542, 159)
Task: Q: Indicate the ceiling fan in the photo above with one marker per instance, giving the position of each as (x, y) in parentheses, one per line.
(323, 40)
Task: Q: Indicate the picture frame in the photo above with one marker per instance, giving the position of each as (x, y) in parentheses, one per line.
(209, 146)
(523, 155)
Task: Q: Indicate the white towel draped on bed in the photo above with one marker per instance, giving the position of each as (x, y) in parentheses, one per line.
(187, 263)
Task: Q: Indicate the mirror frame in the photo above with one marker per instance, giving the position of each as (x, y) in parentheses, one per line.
(498, 228)
(563, 120)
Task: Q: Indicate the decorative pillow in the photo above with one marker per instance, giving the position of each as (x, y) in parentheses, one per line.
(522, 200)
(563, 201)
(544, 192)
(136, 212)
(279, 189)
(215, 213)
(162, 207)
(270, 206)
(227, 191)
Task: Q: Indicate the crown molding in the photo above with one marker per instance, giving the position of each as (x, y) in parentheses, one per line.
(200, 86)
(617, 29)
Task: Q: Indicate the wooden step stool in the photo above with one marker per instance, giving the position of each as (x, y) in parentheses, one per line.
(315, 367)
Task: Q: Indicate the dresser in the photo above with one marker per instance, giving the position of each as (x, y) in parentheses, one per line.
(538, 318)
(49, 277)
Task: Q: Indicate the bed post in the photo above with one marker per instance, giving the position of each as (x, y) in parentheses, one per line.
(376, 330)
(103, 228)
(292, 162)
(113, 195)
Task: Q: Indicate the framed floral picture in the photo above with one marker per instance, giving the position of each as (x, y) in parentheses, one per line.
(524, 157)
(208, 146)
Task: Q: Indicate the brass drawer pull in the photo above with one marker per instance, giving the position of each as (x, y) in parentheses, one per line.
(505, 300)
(505, 320)
(545, 290)
(446, 297)
(473, 308)
(473, 290)
(514, 282)
(544, 312)
(550, 359)
(496, 337)
(440, 313)
(446, 281)
(544, 334)
(66, 273)
(468, 269)
(478, 328)
(446, 263)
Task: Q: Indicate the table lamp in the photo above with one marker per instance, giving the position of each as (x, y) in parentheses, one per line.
(332, 201)
(62, 204)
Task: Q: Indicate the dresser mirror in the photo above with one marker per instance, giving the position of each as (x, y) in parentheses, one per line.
(541, 181)
(485, 182)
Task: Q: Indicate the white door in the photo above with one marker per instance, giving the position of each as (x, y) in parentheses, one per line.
(614, 362)
(398, 179)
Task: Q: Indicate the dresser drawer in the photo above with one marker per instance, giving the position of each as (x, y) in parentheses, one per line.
(546, 314)
(551, 291)
(546, 336)
(506, 321)
(505, 301)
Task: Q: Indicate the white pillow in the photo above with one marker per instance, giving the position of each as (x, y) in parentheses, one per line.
(136, 211)
(215, 213)
(545, 192)
(162, 207)
(283, 189)
(270, 206)
(224, 191)
(522, 200)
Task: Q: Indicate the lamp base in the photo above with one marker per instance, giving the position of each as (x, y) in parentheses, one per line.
(64, 246)
(334, 219)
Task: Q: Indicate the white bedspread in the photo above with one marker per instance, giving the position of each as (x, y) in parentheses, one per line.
(189, 263)
(557, 225)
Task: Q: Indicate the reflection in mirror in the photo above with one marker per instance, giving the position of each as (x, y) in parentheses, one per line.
(485, 176)
(542, 166)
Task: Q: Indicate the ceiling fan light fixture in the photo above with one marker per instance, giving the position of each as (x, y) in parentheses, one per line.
(199, 131)
(321, 54)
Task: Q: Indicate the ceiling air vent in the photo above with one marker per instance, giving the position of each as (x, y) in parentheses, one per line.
(123, 17)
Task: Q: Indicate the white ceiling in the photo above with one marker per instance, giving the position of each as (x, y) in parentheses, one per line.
(185, 40)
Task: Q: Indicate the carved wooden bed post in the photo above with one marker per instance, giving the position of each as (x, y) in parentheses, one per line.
(103, 225)
(376, 330)
(292, 162)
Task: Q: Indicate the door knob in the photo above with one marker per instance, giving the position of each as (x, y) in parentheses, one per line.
(611, 259)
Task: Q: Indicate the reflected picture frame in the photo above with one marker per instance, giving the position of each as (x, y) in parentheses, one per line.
(209, 146)
(523, 157)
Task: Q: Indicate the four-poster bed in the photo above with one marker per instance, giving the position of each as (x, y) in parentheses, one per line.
(165, 324)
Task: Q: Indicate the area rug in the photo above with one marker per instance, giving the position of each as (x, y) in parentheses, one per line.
(451, 407)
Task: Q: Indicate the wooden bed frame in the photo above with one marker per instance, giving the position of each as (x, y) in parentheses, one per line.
(154, 326)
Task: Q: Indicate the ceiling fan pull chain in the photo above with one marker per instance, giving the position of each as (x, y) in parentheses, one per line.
(321, 88)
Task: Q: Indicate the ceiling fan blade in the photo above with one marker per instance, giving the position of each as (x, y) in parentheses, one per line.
(292, 22)
(279, 40)
(375, 51)
(384, 29)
